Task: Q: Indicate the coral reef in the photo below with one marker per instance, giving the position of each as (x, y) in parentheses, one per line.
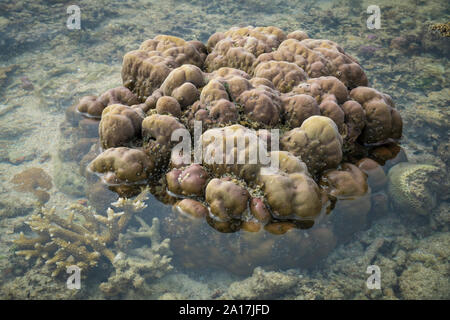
(405, 58)
(122, 165)
(292, 195)
(317, 142)
(443, 28)
(238, 86)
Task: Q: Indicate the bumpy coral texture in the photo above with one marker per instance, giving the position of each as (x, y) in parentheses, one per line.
(93, 106)
(122, 165)
(240, 85)
(317, 142)
(120, 125)
(382, 120)
(410, 185)
(145, 69)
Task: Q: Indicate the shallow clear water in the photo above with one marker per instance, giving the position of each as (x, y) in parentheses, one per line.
(46, 67)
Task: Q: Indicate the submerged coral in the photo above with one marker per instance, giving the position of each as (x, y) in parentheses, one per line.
(62, 242)
(34, 180)
(242, 80)
(411, 187)
(132, 270)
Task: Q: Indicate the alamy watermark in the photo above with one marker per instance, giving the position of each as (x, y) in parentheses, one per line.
(74, 280)
(374, 20)
(227, 147)
(74, 20)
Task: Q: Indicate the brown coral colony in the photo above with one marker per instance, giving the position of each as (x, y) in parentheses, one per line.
(245, 82)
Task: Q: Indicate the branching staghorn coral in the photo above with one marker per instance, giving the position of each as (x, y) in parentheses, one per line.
(72, 241)
(147, 262)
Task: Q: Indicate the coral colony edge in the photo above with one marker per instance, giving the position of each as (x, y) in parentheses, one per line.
(271, 147)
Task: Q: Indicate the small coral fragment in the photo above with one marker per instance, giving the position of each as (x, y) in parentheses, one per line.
(411, 189)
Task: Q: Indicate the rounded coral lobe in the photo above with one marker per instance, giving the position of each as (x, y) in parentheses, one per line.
(317, 142)
(122, 165)
(120, 125)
